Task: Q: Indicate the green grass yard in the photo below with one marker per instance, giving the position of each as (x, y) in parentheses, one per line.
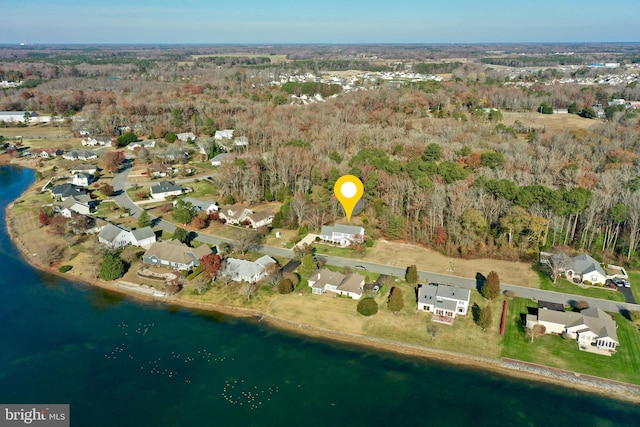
(634, 279)
(556, 352)
(567, 287)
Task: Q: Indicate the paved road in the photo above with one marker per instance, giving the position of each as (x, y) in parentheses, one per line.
(123, 200)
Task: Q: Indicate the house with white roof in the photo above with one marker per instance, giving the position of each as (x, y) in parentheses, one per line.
(341, 234)
(114, 236)
(444, 301)
(248, 271)
(148, 143)
(222, 157)
(327, 281)
(240, 214)
(84, 168)
(223, 134)
(80, 155)
(207, 206)
(92, 141)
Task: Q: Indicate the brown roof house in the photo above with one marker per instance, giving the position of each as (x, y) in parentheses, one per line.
(325, 280)
(174, 254)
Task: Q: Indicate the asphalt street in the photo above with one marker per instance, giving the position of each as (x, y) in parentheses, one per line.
(123, 200)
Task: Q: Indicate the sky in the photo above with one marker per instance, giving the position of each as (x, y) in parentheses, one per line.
(311, 21)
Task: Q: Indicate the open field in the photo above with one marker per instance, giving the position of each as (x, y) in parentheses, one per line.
(551, 123)
(515, 273)
(554, 351)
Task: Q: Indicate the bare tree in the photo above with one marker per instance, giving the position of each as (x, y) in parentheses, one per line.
(433, 331)
(245, 240)
(536, 331)
(51, 253)
(557, 264)
(249, 289)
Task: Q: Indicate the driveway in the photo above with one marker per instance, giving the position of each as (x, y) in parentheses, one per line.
(628, 295)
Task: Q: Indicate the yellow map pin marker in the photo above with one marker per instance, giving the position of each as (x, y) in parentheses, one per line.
(348, 190)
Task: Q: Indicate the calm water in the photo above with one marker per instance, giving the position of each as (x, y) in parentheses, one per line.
(123, 363)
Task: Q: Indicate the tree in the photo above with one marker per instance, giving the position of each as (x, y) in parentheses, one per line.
(634, 316)
(249, 289)
(309, 265)
(144, 220)
(588, 113)
(181, 235)
(573, 108)
(545, 108)
(44, 218)
(411, 276)
(51, 253)
(485, 318)
(491, 287)
(58, 225)
(367, 307)
(396, 300)
(113, 160)
(170, 137)
(127, 138)
(245, 240)
(492, 159)
(211, 265)
(285, 286)
(27, 118)
(183, 212)
(106, 189)
(433, 152)
(112, 266)
(199, 222)
(557, 264)
(495, 116)
(536, 331)
(433, 331)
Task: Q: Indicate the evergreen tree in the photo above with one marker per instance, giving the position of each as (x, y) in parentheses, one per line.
(411, 276)
(396, 300)
(485, 318)
(181, 235)
(491, 287)
(367, 307)
(112, 267)
(144, 220)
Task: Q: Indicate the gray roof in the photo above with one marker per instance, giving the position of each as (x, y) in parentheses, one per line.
(84, 166)
(246, 268)
(174, 251)
(585, 264)
(220, 157)
(594, 319)
(199, 204)
(442, 296)
(143, 233)
(328, 230)
(110, 232)
(352, 283)
(165, 187)
(67, 190)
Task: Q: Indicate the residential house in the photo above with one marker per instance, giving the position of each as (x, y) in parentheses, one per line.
(64, 191)
(580, 268)
(159, 170)
(149, 143)
(80, 155)
(82, 179)
(70, 205)
(590, 328)
(165, 189)
(223, 134)
(325, 280)
(248, 271)
(186, 136)
(222, 157)
(241, 142)
(92, 141)
(174, 254)
(116, 237)
(85, 168)
(207, 206)
(444, 301)
(46, 153)
(341, 234)
(240, 214)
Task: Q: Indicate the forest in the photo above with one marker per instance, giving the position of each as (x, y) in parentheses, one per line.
(457, 164)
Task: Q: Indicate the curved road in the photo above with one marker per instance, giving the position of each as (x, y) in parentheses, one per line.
(123, 200)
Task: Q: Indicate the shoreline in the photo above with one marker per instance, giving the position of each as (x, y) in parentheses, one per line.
(512, 369)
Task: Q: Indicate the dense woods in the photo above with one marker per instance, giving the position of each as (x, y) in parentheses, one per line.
(440, 167)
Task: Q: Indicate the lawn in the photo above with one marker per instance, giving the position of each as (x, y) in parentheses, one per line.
(567, 287)
(131, 192)
(554, 351)
(634, 279)
(202, 188)
(324, 249)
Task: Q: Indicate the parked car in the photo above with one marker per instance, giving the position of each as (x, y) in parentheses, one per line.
(361, 267)
(626, 283)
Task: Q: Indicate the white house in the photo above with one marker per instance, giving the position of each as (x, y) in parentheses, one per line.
(82, 179)
(79, 155)
(223, 134)
(92, 141)
(580, 268)
(239, 214)
(71, 205)
(590, 328)
(174, 254)
(443, 301)
(207, 206)
(217, 160)
(149, 143)
(344, 235)
(248, 271)
(186, 136)
(165, 189)
(84, 168)
(325, 280)
(241, 141)
(118, 237)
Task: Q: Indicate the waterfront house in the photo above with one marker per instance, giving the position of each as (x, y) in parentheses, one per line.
(85, 168)
(444, 301)
(175, 255)
(325, 280)
(63, 191)
(591, 327)
(80, 155)
(207, 206)
(248, 271)
(80, 204)
(115, 236)
(82, 179)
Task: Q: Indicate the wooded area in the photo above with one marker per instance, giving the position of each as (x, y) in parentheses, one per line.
(439, 166)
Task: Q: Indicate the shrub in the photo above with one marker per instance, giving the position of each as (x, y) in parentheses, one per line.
(367, 307)
(634, 316)
(65, 268)
(285, 286)
(588, 283)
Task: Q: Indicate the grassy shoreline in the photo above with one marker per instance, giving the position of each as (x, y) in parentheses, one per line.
(369, 336)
